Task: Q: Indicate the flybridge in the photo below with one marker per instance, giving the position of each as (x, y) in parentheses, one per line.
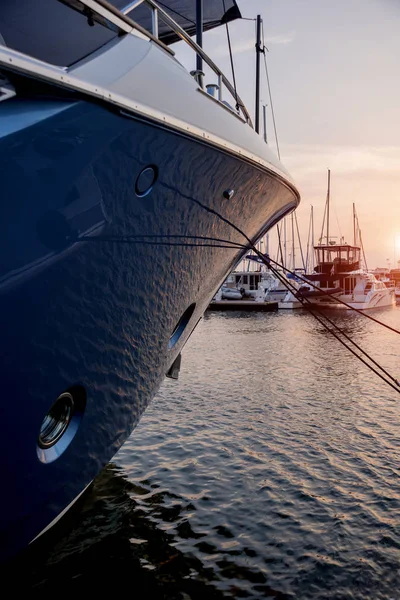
(184, 13)
(339, 259)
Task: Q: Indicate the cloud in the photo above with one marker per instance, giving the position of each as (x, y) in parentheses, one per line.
(280, 39)
(241, 46)
(345, 160)
(237, 48)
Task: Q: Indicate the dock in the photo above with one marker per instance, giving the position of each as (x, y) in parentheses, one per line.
(245, 305)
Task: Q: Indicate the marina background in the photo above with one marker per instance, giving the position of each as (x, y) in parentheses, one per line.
(270, 470)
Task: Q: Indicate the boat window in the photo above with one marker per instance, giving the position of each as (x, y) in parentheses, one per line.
(245, 279)
(50, 31)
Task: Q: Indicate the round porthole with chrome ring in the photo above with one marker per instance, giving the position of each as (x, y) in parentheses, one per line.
(61, 424)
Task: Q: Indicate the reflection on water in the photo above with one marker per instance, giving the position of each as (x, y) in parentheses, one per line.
(270, 470)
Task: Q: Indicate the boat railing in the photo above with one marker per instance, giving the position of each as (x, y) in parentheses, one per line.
(157, 13)
(113, 18)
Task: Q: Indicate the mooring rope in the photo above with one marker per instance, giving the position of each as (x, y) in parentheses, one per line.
(214, 242)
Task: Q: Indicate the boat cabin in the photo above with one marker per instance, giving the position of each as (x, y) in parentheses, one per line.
(335, 265)
(335, 259)
(248, 280)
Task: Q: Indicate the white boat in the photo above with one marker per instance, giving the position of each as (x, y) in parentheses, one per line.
(361, 290)
(340, 277)
(277, 291)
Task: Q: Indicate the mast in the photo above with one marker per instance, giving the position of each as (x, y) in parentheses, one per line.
(293, 257)
(284, 242)
(199, 35)
(300, 244)
(259, 50)
(359, 236)
(279, 230)
(312, 238)
(354, 225)
(327, 207)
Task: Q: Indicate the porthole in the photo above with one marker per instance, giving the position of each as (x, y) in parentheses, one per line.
(56, 421)
(61, 424)
(146, 180)
(181, 326)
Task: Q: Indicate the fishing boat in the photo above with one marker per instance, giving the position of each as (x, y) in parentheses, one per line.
(340, 280)
(116, 165)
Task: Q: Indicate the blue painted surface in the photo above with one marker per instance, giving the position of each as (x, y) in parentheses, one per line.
(97, 313)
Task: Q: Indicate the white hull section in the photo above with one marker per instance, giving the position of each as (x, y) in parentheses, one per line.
(377, 300)
(119, 74)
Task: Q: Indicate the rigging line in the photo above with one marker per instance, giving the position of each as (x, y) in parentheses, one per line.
(308, 243)
(267, 261)
(361, 242)
(298, 237)
(362, 246)
(168, 236)
(269, 90)
(212, 211)
(279, 241)
(312, 309)
(263, 258)
(357, 310)
(122, 240)
(231, 58)
(260, 255)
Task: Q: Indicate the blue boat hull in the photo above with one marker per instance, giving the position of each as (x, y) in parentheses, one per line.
(85, 307)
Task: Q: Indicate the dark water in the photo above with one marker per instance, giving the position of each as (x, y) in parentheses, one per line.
(270, 470)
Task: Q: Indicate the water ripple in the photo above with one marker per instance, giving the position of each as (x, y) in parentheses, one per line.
(270, 470)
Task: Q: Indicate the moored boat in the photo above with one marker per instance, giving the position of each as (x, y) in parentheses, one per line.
(339, 277)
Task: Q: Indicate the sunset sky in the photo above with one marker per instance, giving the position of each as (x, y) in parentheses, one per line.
(334, 69)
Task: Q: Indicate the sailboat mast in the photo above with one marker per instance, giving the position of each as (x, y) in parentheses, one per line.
(327, 207)
(293, 258)
(284, 242)
(354, 225)
(258, 55)
(312, 238)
